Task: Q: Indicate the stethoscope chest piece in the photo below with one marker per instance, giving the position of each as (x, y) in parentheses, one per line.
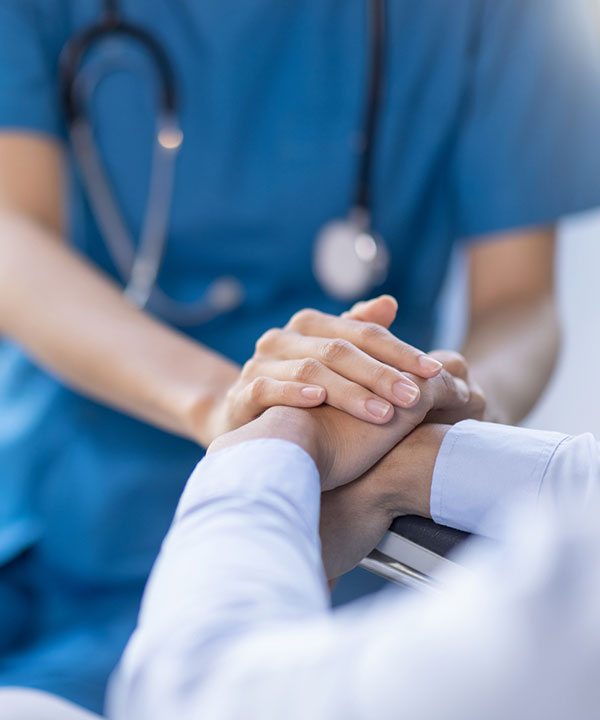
(349, 259)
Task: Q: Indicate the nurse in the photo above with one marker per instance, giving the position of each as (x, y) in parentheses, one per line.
(487, 128)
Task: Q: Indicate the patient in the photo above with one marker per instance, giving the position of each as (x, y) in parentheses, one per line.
(236, 621)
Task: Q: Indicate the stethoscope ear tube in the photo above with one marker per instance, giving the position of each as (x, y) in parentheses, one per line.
(376, 22)
(138, 267)
(75, 51)
(139, 270)
(349, 258)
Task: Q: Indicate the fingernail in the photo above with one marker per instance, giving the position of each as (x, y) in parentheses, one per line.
(429, 364)
(312, 393)
(405, 392)
(378, 408)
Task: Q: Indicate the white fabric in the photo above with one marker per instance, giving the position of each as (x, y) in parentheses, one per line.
(484, 470)
(235, 623)
(22, 704)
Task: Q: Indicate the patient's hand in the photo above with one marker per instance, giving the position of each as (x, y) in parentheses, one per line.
(456, 365)
(355, 517)
(343, 447)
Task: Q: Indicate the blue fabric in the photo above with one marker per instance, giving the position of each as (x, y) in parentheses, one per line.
(490, 121)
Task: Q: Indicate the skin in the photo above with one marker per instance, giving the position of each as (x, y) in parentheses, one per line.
(345, 448)
(146, 369)
(356, 512)
(142, 367)
(355, 516)
(513, 323)
(513, 335)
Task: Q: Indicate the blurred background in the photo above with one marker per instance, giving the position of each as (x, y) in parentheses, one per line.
(571, 403)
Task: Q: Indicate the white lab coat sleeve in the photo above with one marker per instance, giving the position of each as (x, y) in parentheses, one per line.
(235, 623)
(243, 553)
(484, 470)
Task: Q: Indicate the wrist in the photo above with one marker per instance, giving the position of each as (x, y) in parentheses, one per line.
(201, 409)
(406, 473)
(280, 423)
(298, 426)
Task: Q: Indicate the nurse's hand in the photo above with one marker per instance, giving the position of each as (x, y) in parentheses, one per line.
(343, 447)
(352, 363)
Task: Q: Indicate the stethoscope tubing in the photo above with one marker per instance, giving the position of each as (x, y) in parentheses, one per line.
(376, 22)
(139, 269)
(75, 51)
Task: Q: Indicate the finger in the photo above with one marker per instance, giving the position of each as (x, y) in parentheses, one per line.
(265, 392)
(349, 362)
(342, 394)
(381, 311)
(376, 341)
(453, 362)
(445, 392)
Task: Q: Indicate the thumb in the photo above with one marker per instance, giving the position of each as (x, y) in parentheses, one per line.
(381, 311)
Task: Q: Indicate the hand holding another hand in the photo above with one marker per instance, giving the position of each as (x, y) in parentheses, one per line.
(368, 474)
(343, 447)
(352, 363)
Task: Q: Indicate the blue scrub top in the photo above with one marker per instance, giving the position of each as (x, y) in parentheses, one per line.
(489, 121)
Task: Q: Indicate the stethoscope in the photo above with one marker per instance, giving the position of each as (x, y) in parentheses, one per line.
(349, 259)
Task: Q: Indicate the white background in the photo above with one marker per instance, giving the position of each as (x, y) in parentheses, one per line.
(571, 403)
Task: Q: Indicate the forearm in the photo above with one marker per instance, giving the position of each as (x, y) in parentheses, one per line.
(234, 622)
(512, 353)
(77, 324)
(241, 562)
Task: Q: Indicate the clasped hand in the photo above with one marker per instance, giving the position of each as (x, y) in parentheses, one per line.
(352, 363)
(347, 446)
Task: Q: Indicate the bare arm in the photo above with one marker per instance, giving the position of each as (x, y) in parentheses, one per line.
(75, 321)
(513, 336)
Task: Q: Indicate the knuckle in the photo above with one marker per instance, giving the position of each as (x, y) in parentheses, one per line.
(460, 362)
(380, 374)
(249, 369)
(232, 395)
(455, 363)
(334, 349)
(266, 340)
(302, 318)
(449, 389)
(258, 388)
(370, 332)
(306, 369)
